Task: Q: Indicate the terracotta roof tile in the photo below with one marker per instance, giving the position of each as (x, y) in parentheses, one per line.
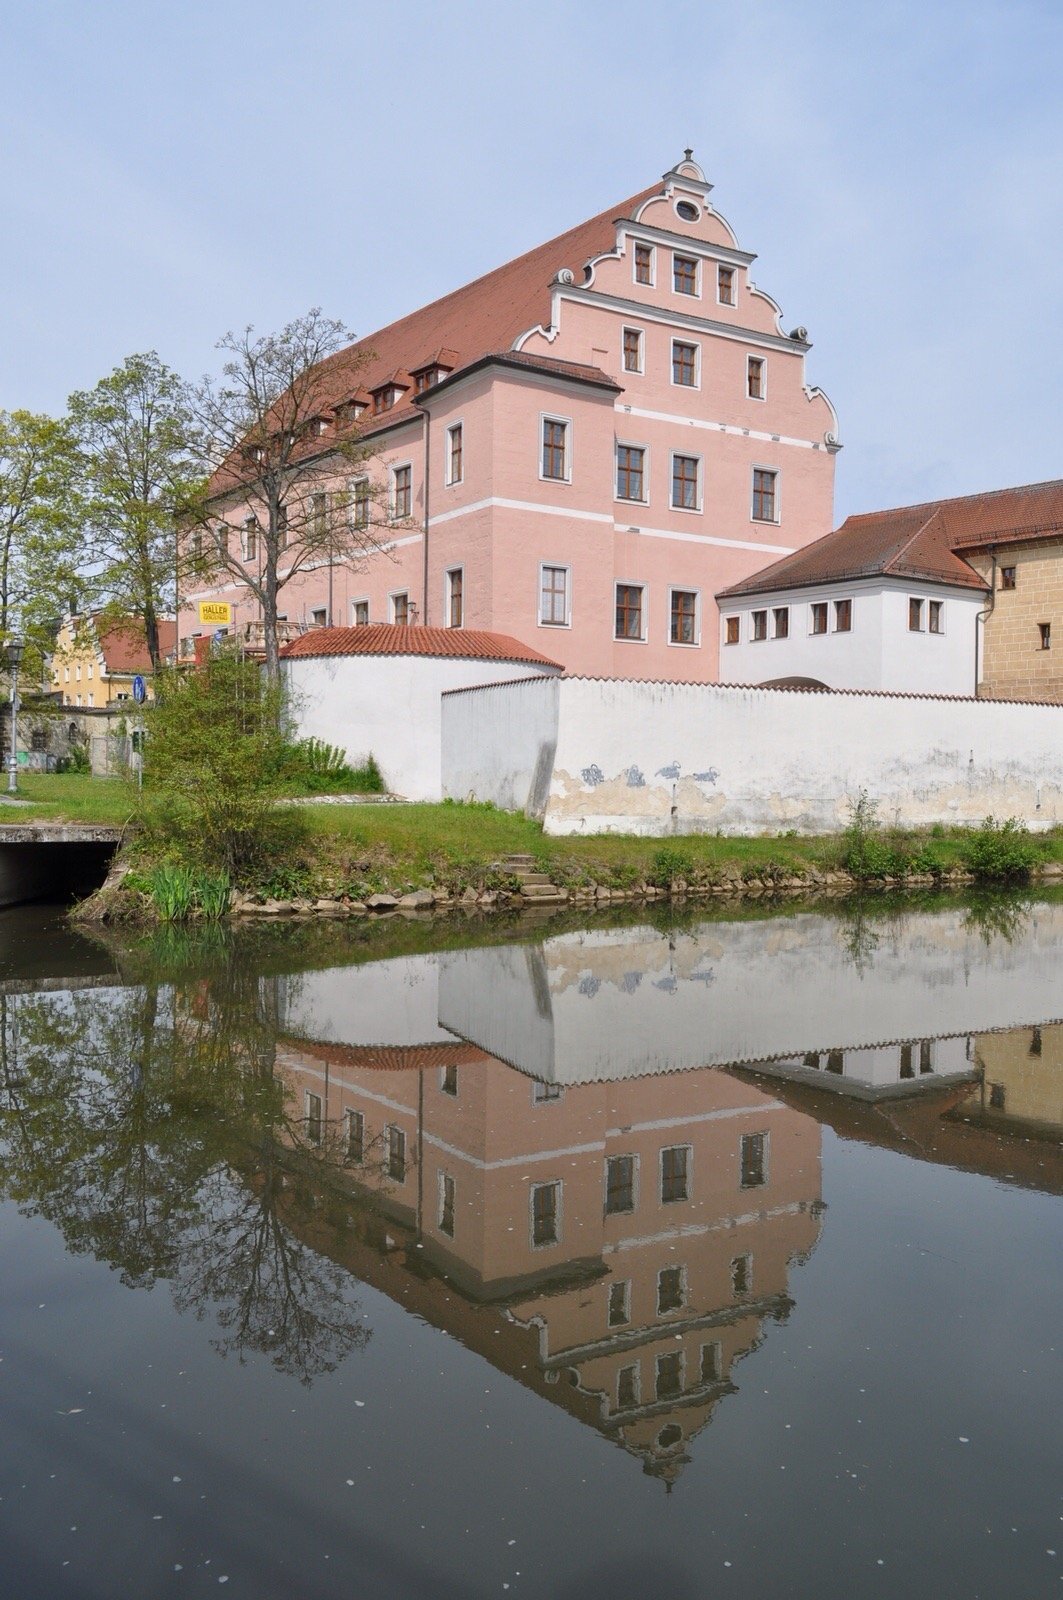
(920, 541)
(124, 647)
(387, 639)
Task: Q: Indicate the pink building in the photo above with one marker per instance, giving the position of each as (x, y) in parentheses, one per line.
(581, 448)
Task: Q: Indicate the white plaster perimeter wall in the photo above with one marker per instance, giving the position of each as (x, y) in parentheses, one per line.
(499, 744)
(388, 706)
(381, 1003)
(878, 652)
(662, 758)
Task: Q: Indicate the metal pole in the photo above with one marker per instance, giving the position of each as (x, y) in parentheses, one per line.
(12, 771)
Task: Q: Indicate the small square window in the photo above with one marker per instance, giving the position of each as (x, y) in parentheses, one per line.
(669, 1289)
(725, 285)
(447, 1189)
(915, 615)
(632, 350)
(545, 1213)
(755, 373)
(675, 1173)
(553, 596)
(754, 1160)
(619, 1303)
(1045, 631)
(619, 1185)
(935, 616)
(644, 263)
(732, 630)
(555, 449)
(685, 482)
(630, 472)
(760, 625)
(765, 497)
(684, 364)
(781, 614)
(843, 616)
(684, 274)
(683, 623)
(629, 611)
(1008, 577)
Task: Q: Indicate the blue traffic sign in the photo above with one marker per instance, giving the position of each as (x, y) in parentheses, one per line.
(140, 690)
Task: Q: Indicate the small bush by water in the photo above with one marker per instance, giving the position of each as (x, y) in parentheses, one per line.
(1002, 851)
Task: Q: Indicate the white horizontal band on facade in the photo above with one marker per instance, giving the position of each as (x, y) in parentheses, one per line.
(618, 527)
(717, 427)
(701, 1116)
(693, 1230)
(338, 562)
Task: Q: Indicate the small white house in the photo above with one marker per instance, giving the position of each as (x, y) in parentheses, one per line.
(882, 603)
(376, 689)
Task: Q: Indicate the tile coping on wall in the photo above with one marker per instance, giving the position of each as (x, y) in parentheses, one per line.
(744, 688)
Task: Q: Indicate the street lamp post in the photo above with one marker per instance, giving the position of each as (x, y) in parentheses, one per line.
(13, 655)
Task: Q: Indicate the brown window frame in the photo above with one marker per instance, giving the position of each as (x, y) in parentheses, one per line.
(554, 450)
(400, 608)
(726, 275)
(631, 473)
(682, 616)
(628, 608)
(820, 612)
(396, 1162)
(915, 614)
(402, 492)
(765, 494)
(455, 597)
(620, 1192)
(672, 1179)
(935, 616)
(684, 364)
(631, 346)
(781, 622)
(552, 593)
(545, 1220)
(756, 371)
(684, 271)
(644, 264)
(455, 453)
(759, 621)
(1045, 630)
(1009, 578)
(732, 630)
(684, 480)
(843, 616)
(753, 1160)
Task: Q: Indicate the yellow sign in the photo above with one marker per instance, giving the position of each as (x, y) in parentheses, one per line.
(217, 612)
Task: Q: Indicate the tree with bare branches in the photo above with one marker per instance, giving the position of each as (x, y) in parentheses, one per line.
(290, 482)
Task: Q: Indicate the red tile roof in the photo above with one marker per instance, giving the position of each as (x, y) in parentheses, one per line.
(482, 317)
(386, 639)
(921, 541)
(124, 648)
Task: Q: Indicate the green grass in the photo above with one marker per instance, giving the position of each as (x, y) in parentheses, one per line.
(72, 797)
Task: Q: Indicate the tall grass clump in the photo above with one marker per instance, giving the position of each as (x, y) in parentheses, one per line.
(172, 890)
(866, 852)
(1001, 852)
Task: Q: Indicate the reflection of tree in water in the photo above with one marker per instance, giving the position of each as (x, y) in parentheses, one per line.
(997, 916)
(858, 936)
(148, 1124)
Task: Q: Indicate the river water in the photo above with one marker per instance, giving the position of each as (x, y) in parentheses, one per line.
(682, 1255)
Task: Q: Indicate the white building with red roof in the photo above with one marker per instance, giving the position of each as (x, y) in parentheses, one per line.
(576, 450)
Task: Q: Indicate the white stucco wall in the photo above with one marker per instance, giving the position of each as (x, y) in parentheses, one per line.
(387, 705)
(668, 758)
(499, 743)
(879, 652)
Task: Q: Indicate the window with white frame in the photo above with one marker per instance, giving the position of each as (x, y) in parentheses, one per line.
(643, 264)
(725, 285)
(456, 597)
(553, 596)
(765, 494)
(843, 616)
(935, 616)
(684, 364)
(818, 616)
(313, 1117)
(629, 610)
(760, 626)
(675, 1173)
(455, 453)
(633, 357)
(669, 1290)
(400, 609)
(711, 1362)
(250, 540)
(619, 1311)
(669, 1375)
(360, 613)
(915, 614)
(686, 483)
(630, 472)
(756, 378)
(619, 1185)
(628, 1387)
(753, 1160)
(355, 1137)
(401, 492)
(732, 630)
(448, 1079)
(447, 1192)
(358, 502)
(781, 616)
(396, 1148)
(555, 451)
(318, 617)
(683, 620)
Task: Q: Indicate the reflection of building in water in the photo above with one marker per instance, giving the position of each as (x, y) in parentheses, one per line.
(618, 1247)
(1020, 1080)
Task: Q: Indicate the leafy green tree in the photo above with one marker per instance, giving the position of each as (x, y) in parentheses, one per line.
(40, 549)
(138, 463)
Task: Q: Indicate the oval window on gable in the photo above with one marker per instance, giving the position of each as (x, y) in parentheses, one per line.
(687, 210)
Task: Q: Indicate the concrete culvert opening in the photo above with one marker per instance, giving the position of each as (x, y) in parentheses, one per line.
(55, 863)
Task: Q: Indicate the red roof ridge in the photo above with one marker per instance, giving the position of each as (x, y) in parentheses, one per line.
(396, 639)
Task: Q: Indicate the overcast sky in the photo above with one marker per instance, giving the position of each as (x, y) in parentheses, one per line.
(169, 172)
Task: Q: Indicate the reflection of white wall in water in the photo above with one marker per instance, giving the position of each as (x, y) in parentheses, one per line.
(634, 1000)
(384, 1002)
(926, 1060)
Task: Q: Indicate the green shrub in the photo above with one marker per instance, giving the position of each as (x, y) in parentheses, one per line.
(669, 864)
(1000, 851)
(212, 894)
(311, 766)
(866, 851)
(173, 891)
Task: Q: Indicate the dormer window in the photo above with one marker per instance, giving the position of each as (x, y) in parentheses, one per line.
(320, 426)
(385, 398)
(425, 377)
